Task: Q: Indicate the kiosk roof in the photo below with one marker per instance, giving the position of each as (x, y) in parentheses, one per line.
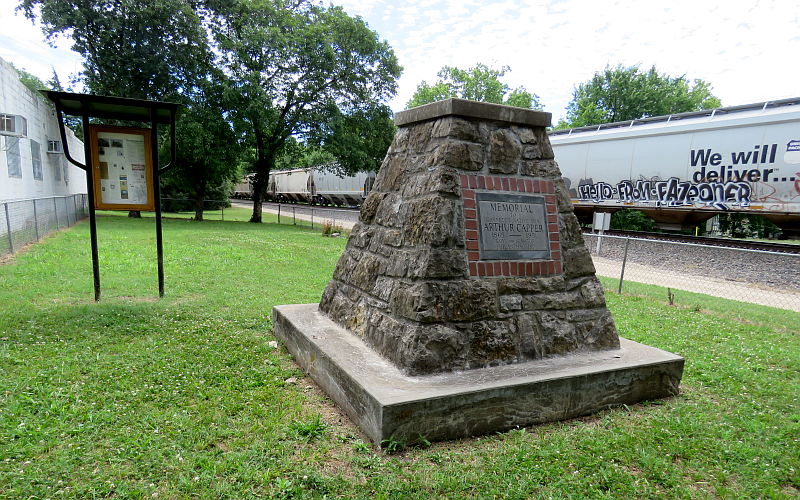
(119, 108)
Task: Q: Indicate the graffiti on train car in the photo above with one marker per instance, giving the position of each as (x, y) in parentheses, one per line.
(672, 192)
(715, 183)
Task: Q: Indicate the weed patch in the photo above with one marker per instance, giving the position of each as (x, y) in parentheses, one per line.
(309, 428)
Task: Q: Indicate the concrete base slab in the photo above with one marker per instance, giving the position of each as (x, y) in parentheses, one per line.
(385, 403)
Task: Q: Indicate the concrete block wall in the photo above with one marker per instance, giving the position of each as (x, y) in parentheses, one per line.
(59, 177)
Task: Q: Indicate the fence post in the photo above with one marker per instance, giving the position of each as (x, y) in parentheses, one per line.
(624, 260)
(75, 207)
(66, 212)
(8, 226)
(279, 213)
(223, 211)
(35, 220)
(55, 210)
(312, 217)
(294, 217)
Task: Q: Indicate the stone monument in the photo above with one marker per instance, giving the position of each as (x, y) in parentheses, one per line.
(466, 301)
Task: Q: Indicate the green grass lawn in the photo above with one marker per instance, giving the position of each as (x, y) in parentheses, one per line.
(136, 397)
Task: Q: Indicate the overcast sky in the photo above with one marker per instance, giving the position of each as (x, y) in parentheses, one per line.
(747, 50)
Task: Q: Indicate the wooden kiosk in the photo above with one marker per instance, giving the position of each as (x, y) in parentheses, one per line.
(121, 163)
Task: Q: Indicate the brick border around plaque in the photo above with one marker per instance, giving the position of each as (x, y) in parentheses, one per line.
(471, 185)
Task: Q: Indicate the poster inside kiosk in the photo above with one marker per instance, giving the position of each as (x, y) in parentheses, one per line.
(122, 164)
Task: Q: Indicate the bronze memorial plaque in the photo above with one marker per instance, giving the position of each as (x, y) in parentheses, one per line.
(512, 226)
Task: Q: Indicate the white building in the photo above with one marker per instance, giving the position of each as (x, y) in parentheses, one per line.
(32, 162)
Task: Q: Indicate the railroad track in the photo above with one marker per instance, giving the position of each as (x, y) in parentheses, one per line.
(298, 205)
(704, 240)
(682, 238)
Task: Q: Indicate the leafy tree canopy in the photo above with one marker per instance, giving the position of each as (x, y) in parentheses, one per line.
(631, 220)
(146, 49)
(33, 82)
(296, 154)
(292, 63)
(357, 140)
(478, 83)
(314, 156)
(620, 93)
(743, 225)
(207, 152)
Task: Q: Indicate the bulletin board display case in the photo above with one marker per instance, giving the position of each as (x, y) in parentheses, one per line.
(123, 168)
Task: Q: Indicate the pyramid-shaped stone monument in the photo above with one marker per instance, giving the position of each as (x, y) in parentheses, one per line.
(466, 301)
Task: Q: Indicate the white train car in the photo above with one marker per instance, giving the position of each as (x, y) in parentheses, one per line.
(332, 189)
(318, 185)
(243, 190)
(296, 185)
(683, 169)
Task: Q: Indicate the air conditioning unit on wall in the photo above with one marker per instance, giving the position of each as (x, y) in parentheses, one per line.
(13, 125)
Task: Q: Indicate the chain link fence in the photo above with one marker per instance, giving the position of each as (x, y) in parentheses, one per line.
(317, 216)
(313, 216)
(755, 276)
(26, 221)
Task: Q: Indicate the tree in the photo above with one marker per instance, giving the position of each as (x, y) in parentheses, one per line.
(358, 140)
(315, 156)
(289, 62)
(296, 154)
(620, 93)
(292, 61)
(207, 152)
(478, 83)
(743, 225)
(33, 82)
(144, 49)
(73, 122)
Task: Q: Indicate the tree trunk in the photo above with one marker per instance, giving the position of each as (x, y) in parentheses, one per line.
(264, 162)
(258, 195)
(199, 200)
(198, 208)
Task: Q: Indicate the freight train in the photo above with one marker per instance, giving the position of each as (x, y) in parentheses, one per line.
(679, 169)
(314, 185)
(683, 169)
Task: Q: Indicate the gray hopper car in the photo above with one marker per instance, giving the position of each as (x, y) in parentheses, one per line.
(243, 190)
(316, 185)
